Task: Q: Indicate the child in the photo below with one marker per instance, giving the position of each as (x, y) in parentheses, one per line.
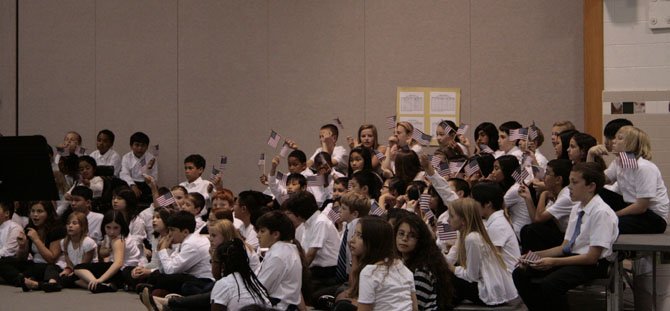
(486, 134)
(558, 128)
(328, 137)
(160, 231)
(118, 256)
(407, 166)
(125, 202)
(88, 178)
(562, 144)
(132, 170)
(353, 206)
(579, 146)
(320, 239)
(416, 246)
(9, 230)
(585, 252)
(194, 165)
(368, 138)
(643, 205)
(610, 131)
(366, 183)
(239, 286)
(297, 164)
(224, 200)
(445, 134)
(402, 139)
(81, 202)
(104, 154)
(490, 197)
(281, 269)
(550, 218)
(509, 147)
(194, 203)
(534, 147)
(178, 192)
(516, 206)
(248, 208)
(359, 159)
(71, 144)
(482, 275)
(380, 280)
(77, 248)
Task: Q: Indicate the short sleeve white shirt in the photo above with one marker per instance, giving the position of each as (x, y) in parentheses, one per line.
(321, 233)
(599, 227)
(562, 207)
(77, 255)
(501, 234)
(517, 209)
(231, 292)
(387, 288)
(645, 181)
(110, 158)
(281, 274)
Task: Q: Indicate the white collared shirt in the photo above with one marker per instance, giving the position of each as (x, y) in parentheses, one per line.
(9, 231)
(110, 158)
(249, 235)
(199, 185)
(321, 233)
(518, 209)
(502, 235)
(281, 274)
(94, 226)
(192, 257)
(645, 181)
(561, 208)
(599, 227)
(128, 172)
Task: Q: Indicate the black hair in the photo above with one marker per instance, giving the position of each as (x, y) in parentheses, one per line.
(182, 220)
(370, 179)
(415, 189)
(565, 142)
(322, 158)
(300, 178)
(396, 214)
(485, 162)
(441, 207)
(164, 215)
(509, 125)
(131, 202)
(592, 173)
(485, 192)
(277, 221)
(298, 154)
(90, 161)
(116, 217)
(197, 199)
(234, 259)
(584, 141)
(365, 154)
(82, 191)
(491, 132)
(197, 160)
(139, 137)
(613, 126)
(508, 164)
(255, 203)
(333, 129)
(109, 134)
(461, 185)
(398, 185)
(71, 165)
(7, 206)
(561, 168)
(344, 181)
(302, 204)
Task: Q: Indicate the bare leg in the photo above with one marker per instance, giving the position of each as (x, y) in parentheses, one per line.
(84, 276)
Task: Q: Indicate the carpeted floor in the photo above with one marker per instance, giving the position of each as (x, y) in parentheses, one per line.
(13, 298)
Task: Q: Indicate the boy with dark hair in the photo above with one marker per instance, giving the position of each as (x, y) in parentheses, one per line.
(320, 239)
(281, 269)
(509, 147)
(250, 205)
(80, 201)
(611, 128)
(194, 203)
(104, 154)
(9, 230)
(586, 250)
(135, 164)
(194, 166)
(296, 165)
(460, 186)
(490, 196)
(328, 137)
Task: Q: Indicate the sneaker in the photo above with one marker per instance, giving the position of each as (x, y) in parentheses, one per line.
(326, 301)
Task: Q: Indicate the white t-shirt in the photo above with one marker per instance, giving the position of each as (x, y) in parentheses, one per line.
(387, 289)
(501, 234)
(321, 233)
(231, 292)
(76, 255)
(281, 274)
(562, 207)
(518, 210)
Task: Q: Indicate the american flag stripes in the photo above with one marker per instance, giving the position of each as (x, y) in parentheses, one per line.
(166, 199)
(445, 232)
(444, 170)
(435, 161)
(520, 174)
(140, 165)
(421, 137)
(447, 128)
(471, 168)
(274, 139)
(627, 160)
(424, 205)
(462, 129)
(530, 258)
(285, 150)
(215, 171)
(315, 181)
(376, 210)
(390, 122)
(516, 134)
(455, 167)
(533, 132)
(379, 155)
(485, 149)
(334, 214)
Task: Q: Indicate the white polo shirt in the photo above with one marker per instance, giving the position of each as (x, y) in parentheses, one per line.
(321, 233)
(599, 227)
(501, 234)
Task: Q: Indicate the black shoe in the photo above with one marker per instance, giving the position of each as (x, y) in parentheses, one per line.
(326, 302)
(104, 288)
(51, 287)
(141, 286)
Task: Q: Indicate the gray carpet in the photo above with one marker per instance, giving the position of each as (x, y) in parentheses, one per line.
(13, 298)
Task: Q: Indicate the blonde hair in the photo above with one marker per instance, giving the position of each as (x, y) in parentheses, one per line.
(468, 210)
(636, 141)
(226, 229)
(83, 224)
(356, 202)
(564, 125)
(409, 129)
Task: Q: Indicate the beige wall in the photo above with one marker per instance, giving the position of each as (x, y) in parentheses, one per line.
(213, 77)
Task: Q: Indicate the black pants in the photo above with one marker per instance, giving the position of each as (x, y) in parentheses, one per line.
(180, 283)
(146, 198)
(545, 290)
(645, 223)
(11, 269)
(99, 268)
(540, 236)
(465, 290)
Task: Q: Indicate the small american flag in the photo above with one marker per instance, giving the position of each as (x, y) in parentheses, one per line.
(462, 129)
(281, 177)
(485, 149)
(261, 160)
(222, 164)
(444, 170)
(446, 126)
(315, 181)
(62, 152)
(471, 168)
(379, 155)
(627, 160)
(435, 161)
(166, 199)
(334, 214)
(390, 122)
(516, 134)
(140, 165)
(376, 210)
(339, 122)
(274, 139)
(520, 174)
(424, 205)
(455, 167)
(533, 133)
(445, 232)
(155, 150)
(421, 137)
(80, 151)
(285, 150)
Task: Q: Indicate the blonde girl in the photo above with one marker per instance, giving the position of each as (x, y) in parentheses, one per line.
(77, 247)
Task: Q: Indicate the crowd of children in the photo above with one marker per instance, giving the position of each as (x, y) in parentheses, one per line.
(487, 219)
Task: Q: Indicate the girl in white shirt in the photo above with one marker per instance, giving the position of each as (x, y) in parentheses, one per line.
(379, 280)
(77, 248)
(516, 206)
(482, 276)
(125, 201)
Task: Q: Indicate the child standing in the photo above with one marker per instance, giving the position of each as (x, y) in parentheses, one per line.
(328, 137)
